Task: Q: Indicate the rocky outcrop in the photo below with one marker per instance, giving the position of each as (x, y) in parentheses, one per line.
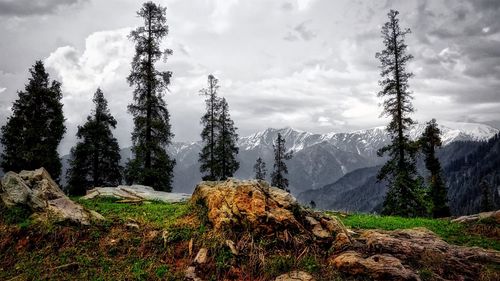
(136, 193)
(378, 267)
(37, 191)
(386, 255)
(258, 207)
(494, 215)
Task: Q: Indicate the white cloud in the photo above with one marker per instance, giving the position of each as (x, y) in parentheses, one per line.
(2, 90)
(105, 63)
(328, 82)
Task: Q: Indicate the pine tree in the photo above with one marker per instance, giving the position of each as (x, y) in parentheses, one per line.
(429, 142)
(486, 198)
(36, 127)
(278, 178)
(95, 160)
(207, 158)
(404, 194)
(312, 204)
(226, 145)
(260, 169)
(151, 164)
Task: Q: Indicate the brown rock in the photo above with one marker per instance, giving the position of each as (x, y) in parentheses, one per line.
(421, 246)
(320, 232)
(257, 206)
(37, 191)
(342, 241)
(378, 267)
(295, 276)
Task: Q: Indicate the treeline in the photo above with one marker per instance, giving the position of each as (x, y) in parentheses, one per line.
(36, 127)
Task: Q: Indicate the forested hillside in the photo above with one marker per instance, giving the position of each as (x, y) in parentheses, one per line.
(359, 190)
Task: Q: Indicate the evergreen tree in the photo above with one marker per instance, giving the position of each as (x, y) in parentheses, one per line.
(95, 160)
(35, 128)
(226, 146)
(429, 142)
(278, 178)
(151, 164)
(260, 169)
(486, 198)
(312, 204)
(211, 126)
(404, 194)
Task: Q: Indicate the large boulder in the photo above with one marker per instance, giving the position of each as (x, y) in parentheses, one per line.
(391, 255)
(136, 193)
(37, 191)
(258, 207)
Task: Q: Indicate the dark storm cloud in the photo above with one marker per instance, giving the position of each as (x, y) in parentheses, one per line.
(28, 7)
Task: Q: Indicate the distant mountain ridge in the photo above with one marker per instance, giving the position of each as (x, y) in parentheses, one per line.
(466, 165)
(319, 159)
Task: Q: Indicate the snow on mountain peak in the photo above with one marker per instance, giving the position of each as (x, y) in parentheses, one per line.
(367, 140)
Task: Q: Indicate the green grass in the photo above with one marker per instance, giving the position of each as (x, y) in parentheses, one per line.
(453, 233)
(158, 214)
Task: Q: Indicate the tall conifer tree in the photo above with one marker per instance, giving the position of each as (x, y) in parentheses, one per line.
(278, 177)
(95, 160)
(35, 128)
(151, 164)
(218, 155)
(404, 196)
(260, 169)
(226, 146)
(207, 158)
(429, 142)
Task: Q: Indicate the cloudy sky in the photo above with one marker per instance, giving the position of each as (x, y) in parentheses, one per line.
(308, 64)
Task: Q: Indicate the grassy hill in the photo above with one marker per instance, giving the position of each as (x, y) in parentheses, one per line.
(156, 241)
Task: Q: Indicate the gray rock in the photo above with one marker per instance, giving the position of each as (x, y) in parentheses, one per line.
(13, 190)
(136, 192)
(37, 191)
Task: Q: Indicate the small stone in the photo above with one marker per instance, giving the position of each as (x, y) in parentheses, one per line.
(232, 247)
(202, 256)
(132, 225)
(164, 236)
(295, 276)
(190, 274)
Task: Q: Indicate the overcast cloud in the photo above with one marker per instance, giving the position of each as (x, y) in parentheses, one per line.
(308, 64)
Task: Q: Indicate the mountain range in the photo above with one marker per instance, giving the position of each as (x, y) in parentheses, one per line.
(319, 159)
(322, 160)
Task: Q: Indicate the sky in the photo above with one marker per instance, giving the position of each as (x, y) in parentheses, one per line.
(306, 64)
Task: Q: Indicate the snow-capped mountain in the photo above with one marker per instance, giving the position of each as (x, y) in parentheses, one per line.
(319, 159)
(365, 142)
